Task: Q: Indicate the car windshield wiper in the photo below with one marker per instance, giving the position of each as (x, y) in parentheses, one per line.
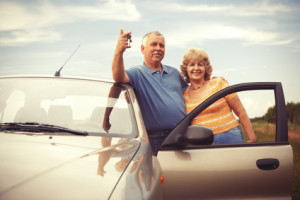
(37, 127)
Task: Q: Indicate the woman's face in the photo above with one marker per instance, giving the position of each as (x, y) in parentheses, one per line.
(196, 71)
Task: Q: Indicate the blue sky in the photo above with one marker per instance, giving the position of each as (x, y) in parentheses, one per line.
(246, 40)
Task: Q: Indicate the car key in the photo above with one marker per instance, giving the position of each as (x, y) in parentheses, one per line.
(128, 38)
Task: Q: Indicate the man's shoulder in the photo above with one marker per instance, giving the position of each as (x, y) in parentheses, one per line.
(170, 70)
(169, 67)
(135, 68)
(136, 73)
(138, 69)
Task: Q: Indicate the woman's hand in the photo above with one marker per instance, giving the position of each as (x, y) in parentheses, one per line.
(252, 139)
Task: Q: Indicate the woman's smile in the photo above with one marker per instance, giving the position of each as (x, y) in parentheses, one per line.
(196, 70)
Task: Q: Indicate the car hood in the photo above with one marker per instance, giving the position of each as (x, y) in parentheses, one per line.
(61, 167)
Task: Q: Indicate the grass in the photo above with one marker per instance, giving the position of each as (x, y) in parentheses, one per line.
(266, 132)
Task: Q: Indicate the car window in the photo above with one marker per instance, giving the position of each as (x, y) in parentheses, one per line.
(76, 104)
(261, 110)
(260, 107)
(16, 101)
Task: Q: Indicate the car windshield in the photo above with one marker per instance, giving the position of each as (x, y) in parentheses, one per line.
(77, 104)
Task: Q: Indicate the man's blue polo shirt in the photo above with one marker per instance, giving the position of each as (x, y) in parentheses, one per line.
(159, 95)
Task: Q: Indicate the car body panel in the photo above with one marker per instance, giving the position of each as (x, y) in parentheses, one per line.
(49, 165)
(145, 171)
(226, 173)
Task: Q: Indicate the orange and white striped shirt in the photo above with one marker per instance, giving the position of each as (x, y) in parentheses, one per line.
(218, 116)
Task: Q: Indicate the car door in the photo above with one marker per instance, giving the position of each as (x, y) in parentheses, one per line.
(193, 168)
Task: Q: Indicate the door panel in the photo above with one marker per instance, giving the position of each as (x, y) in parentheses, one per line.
(227, 172)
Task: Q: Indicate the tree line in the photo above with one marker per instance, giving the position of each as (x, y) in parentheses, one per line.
(293, 114)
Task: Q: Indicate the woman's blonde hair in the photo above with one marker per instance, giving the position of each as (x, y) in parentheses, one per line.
(198, 56)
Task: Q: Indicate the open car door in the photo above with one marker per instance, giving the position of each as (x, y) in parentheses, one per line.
(194, 168)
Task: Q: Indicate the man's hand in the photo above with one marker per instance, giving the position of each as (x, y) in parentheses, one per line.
(106, 124)
(122, 44)
(118, 69)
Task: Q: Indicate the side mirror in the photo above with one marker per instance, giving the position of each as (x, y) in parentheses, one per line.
(198, 135)
(194, 135)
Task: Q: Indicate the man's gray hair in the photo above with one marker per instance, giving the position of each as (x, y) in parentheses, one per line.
(145, 38)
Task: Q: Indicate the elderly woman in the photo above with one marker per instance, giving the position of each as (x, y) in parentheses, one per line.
(197, 70)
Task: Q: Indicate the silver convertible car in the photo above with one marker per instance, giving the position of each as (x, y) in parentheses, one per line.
(78, 138)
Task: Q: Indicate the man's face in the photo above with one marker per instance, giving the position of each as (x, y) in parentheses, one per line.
(154, 51)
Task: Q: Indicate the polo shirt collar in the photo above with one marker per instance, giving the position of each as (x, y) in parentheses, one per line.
(151, 71)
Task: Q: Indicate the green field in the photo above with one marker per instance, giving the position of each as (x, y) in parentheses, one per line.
(266, 132)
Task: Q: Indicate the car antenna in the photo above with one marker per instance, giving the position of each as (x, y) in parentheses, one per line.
(57, 73)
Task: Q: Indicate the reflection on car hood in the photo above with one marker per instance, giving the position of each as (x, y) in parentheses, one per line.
(61, 167)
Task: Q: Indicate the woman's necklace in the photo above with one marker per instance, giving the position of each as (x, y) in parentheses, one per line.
(198, 86)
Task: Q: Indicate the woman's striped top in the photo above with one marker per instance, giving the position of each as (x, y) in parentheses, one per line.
(218, 116)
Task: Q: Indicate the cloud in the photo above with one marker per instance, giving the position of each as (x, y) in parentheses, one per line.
(204, 32)
(254, 107)
(250, 23)
(18, 37)
(261, 8)
(26, 23)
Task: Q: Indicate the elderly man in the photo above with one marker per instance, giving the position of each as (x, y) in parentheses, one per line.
(158, 87)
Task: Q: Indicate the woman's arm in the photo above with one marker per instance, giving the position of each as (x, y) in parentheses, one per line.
(240, 111)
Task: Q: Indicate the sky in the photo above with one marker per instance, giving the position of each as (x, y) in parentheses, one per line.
(246, 41)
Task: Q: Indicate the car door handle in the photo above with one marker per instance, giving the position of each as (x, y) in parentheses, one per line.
(267, 163)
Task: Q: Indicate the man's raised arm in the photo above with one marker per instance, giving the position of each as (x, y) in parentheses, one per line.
(118, 69)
